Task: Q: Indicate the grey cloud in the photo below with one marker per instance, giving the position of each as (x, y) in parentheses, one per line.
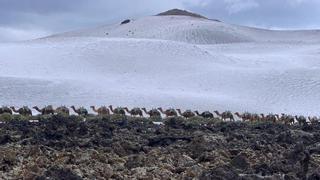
(285, 14)
(60, 15)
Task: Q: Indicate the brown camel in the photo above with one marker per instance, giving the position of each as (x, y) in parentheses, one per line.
(313, 120)
(301, 120)
(5, 109)
(81, 111)
(152, 112)
(263, 117)
(62, 110)
(205, 114)
(46, 110)
(25, 111)
(225, 115)
(103, 110)
(269, 118)
(245, 116)
(187, 114)
(118, 110)
(134, 111)
(169, 112)
(282, 118)
(256, 117)
(287, 119)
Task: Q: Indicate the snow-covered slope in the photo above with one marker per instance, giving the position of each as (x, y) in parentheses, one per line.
(193, 30)
(169, 61)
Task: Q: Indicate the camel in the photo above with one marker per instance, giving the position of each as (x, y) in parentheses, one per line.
(101, 110)
(205, 114)
(62, 110)
(301, 120)
(169, 112)
(281, 119)
(287, 119)
(118, 110)
(290, 119)
(313, 120)
(225, 115)
(81, 111)
(245, 116)
(256, 117)
(152, 112)
(278, 117)
(269, 118)
(46, 110)
(5, 109)
(134, 111)
(187, 114)
(25, 111)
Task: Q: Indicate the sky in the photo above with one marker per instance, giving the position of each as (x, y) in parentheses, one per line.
(28, 19)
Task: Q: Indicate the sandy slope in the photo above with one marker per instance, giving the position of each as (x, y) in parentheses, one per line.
(167, 61)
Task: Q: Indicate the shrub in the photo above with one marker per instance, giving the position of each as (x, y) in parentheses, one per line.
(6, 117)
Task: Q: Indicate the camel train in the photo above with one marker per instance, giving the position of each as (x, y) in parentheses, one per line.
(159, 112)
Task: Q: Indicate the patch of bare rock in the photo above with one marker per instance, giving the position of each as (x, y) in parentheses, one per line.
(179, 12)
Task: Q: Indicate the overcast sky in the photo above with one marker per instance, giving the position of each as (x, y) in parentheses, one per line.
(26, 19)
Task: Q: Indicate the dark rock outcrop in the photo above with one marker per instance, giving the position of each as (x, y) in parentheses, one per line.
(114, 147)
(179, 12)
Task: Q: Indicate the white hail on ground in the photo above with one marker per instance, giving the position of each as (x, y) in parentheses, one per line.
(170, 61)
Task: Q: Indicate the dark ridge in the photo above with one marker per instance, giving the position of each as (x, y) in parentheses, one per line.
(179, 12)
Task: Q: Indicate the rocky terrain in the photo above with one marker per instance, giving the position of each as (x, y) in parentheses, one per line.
(116, 147)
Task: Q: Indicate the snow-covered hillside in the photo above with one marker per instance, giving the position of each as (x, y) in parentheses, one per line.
(193, 30)
(169, 61)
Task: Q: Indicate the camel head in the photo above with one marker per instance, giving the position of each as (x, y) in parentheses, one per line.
(160, 109)
(93, 108)
(111, 108)
(179, 111)
(217, 112)
(127, 110)
(74, 108)
(145, 110)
